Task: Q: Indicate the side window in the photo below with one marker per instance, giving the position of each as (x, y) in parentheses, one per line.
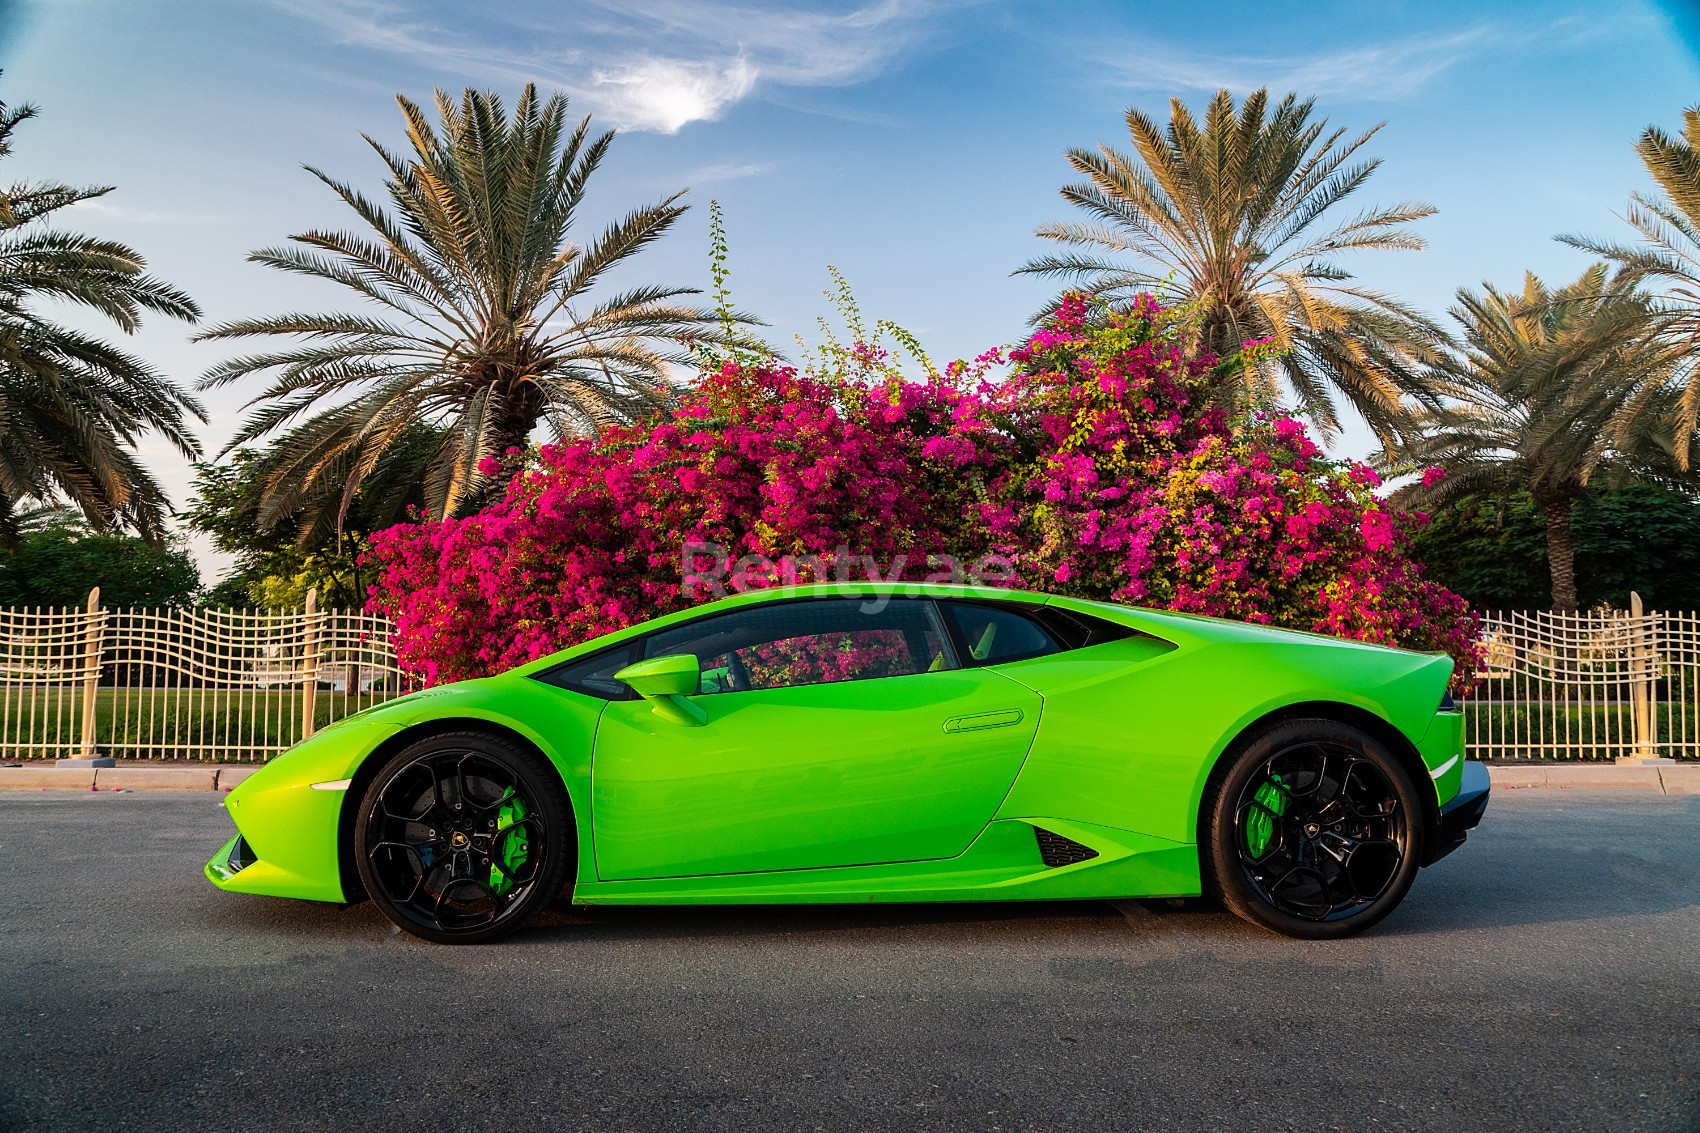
(992, 635)
(593, 675)
(1078, 631)
(818, 641)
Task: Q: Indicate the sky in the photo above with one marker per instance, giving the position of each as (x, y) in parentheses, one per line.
(913, 144)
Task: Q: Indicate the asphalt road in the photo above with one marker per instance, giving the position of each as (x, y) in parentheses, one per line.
(1546, 976)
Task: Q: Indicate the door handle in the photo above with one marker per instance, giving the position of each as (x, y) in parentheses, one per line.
(981, 720)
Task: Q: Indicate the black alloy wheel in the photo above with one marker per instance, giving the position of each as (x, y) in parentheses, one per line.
(462, 838)
(1314, 830)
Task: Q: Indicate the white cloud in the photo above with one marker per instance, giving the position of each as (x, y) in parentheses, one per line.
(797, 45)
(1373, 72)
(665, 94)
(726, 171)
(1383, 71)
(149, 216)
(645, 64)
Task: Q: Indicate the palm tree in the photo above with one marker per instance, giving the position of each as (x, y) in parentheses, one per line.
(1241, 216)
(1542, 378)
(71, 406)
(479, 322)
(1669, 253)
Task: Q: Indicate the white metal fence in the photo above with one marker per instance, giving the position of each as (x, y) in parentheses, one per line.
(185, 683)
(1595, 685)
(245, 685)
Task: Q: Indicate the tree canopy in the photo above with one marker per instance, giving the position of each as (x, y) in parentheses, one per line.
(1241, 215)
(72, 407)
(1544, 376)
(1492, 549)
(481, 317)
(56, 565)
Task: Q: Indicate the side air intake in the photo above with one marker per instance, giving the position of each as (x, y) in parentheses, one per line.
(1055, 850)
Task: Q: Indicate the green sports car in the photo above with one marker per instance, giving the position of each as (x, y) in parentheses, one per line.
(841, 744)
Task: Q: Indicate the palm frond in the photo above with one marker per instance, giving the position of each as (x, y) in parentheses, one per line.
(488, 321)
(73, 407)
(1231, 207)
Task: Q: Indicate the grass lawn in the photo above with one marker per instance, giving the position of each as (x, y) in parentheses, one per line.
(165, 723)
(1571, 731)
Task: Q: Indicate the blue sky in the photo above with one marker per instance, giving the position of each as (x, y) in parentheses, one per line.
(915, 145)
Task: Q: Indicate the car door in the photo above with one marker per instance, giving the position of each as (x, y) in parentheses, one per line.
(839, 732)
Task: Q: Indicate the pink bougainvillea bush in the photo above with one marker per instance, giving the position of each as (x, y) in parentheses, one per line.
(1098, 467)
(763, 465)
(1138, 490)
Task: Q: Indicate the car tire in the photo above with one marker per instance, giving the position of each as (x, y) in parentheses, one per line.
(462, 838)
(1312, 828)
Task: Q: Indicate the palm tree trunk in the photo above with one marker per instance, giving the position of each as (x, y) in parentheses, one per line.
(521, 410)
(1561, 553)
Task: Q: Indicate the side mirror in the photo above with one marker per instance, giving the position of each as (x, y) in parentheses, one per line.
(665, 682)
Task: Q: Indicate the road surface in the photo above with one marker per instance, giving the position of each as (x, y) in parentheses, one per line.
(1546, 976)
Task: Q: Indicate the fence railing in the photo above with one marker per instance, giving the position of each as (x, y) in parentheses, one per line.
(185, 683)
(1594, 685)
(245, 685)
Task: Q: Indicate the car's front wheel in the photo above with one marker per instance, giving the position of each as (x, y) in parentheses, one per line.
(1314, 829)
(462, 838)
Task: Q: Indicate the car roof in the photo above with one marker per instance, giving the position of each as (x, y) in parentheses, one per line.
(888, 590)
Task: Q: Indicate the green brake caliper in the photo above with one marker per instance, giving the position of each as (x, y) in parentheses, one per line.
(1271, 802)
(515, 847)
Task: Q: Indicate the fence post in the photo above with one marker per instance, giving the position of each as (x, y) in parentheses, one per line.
(89, 656)
(310, 662)
(1643, 665)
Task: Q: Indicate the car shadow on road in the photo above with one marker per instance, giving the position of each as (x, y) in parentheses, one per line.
(566, 922)
(657, 921)
(1035, 920)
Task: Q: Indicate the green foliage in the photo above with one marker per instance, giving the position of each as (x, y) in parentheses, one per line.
(1242, 216)
(718, 252)
(277, 565)
(734, 344)
(230, 593)
(72, 407)
(58, 564)
(1644, 537)
(1668, 255)
(152, 723)
(865, 349)
(482, 319)
(1546, 393)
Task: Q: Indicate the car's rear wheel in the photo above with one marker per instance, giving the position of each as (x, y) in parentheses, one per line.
(461, 838)
(1314, 829)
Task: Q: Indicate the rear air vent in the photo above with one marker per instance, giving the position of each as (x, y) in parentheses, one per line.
(1055, 850)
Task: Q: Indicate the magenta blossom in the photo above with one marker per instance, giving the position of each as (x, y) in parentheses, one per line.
(1099, 465)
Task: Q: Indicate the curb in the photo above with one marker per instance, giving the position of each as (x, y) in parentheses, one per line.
(210, 778)
(1667, 779)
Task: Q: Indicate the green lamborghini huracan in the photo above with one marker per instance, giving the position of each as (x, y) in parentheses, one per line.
(839, 744)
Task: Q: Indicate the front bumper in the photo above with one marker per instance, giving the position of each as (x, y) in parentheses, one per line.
(288, 818)
(1461, 815)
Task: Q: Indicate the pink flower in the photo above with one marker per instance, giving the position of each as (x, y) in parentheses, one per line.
(1098, 466)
